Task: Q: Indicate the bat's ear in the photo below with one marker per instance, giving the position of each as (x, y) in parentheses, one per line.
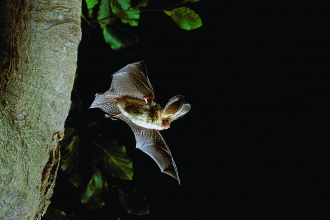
(184, 110)
(175, 108)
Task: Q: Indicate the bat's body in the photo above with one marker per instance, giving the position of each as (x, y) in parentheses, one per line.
(141, 113)
(131, 99)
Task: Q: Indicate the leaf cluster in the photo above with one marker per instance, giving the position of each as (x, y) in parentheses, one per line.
(114, 33)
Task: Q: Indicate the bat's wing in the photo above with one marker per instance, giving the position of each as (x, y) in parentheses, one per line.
(106, 103)
(133, 81)
(152, 143)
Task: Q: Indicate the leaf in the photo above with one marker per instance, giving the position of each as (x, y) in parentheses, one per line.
(193, 0)
(119, 5)
(54, 214)
(69, 160)
(118, 38)
(90, 6)
(131, 17)
(142, 3)
(132, 201)
(94, 193)
(123, 10)
(186, 18)
(113, 159)
(91, 3)
(105, 15)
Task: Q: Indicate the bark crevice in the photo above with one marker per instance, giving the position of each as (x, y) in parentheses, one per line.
(48, 179)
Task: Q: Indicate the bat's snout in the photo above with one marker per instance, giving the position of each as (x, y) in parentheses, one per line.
(166, 124)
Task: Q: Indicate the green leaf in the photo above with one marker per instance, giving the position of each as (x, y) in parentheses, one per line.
(142, 3)
(119, 5)
(118, 38)
(94, 194)
(117, 8)
(130, 17)
(90, 6)
(54, 214)
(113, 159)
(186, 18)
(194, 0)
(91, 3)
(132, 201)
(105, 15)
(69, 160)
(123, 10)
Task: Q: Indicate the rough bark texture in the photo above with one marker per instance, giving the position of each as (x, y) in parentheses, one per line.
(38, 54)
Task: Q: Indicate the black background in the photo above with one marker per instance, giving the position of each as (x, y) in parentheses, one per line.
(255, 143)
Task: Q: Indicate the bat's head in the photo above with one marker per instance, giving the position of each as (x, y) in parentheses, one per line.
(174, 109)
(165, 124)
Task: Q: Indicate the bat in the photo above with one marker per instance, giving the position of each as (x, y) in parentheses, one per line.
(131, 98)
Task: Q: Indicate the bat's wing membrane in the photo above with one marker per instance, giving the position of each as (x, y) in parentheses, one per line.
(152, 143)
(133, 81)
(106, 103)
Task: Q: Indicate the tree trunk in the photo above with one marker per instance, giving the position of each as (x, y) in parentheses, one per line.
(38, 54)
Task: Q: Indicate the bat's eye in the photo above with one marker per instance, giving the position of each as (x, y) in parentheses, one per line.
(166, 124)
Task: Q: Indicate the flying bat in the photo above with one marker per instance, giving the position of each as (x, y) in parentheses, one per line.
(131, 98)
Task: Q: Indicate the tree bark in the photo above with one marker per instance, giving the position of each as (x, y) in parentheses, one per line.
(38, 54)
